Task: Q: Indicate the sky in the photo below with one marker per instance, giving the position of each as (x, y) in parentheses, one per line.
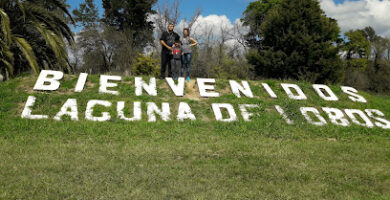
(352, 14)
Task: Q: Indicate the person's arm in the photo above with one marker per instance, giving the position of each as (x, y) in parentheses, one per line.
(165, 45)
(194, 42)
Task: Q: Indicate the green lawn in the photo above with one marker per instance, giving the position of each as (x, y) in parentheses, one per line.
(205, 159)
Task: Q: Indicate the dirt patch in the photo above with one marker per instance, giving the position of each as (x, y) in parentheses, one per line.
(192, 91)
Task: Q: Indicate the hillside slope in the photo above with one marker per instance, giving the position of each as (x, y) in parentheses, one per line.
(201, 159)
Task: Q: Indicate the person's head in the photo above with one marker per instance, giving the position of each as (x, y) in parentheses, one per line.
(177, 42)
(186, 32)
(171, 26)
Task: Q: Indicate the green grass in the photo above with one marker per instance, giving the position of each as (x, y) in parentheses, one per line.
(262, 159)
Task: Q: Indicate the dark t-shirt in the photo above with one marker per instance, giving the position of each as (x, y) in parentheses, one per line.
(169, 39)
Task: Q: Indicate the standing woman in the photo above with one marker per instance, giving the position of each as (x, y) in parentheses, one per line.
(187, 44)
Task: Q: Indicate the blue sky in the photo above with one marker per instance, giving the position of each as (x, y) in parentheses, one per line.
(351, 14)
(233, 9)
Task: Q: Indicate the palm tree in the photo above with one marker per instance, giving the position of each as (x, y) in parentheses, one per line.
(33, 33)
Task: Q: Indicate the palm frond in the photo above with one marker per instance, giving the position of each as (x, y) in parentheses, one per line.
(5, 26)
(25, 47)
(55, 42)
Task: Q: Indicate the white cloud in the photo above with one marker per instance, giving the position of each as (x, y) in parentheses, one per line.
(359, 14)
(212, 28)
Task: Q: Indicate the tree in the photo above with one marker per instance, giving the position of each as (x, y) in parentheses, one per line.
(131, 16)
(254, 16)
(86, 15)
(295, 39)
(32, 34)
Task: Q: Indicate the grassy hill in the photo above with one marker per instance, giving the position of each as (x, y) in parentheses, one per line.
(203, 159)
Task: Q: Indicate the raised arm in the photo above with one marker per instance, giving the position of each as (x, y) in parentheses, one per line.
(194, 42)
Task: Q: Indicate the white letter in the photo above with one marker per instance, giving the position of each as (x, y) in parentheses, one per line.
(269, 90)
(351, 114)
(218, 114)
(330, 97)
(336, 116)
(27, 110)
(88, 112)
(81, 82)
(150, 89)
(203, 87)
(177, 89)
(104, 84)
(185, 112)
(244, 112)
(54, 81)
(73, 113)
(136, 110)
(237, 88)
(305, 110)
(300, 96)
(385, 123)
(164, 113)
(283, 114)
(352, 94)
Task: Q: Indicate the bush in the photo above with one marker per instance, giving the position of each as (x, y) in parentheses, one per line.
(375, 77)
(146, 65)
(379, 75)
(231, 68)
(357, 78)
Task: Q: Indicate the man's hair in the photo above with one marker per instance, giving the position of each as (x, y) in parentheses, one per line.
(171, 23)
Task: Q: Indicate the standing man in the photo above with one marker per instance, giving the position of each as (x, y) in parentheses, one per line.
(167, 39)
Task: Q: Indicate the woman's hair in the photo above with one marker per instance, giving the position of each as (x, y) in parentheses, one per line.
(188, 31)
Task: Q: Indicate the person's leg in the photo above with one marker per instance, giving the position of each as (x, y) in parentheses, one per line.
(163, 64)
(189, 58)
(170, 58)
(177, 68)
(183, 64)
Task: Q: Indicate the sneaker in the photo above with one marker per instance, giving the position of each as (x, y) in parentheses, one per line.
(188, 79)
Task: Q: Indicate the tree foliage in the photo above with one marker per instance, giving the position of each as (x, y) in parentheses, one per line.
(131, 16)
(32, 34)
(294, 39)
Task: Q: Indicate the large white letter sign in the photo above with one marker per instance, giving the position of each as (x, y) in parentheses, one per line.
(238, 88)
(351, 114)
(104, 84)
(81, 82)
(218, 113)
(89, 111)
(244, 112)
(352, 92)
(70, 109)
(177, 89)
(150, 88)
(377, 114)
(320, 122)
(336, 116)
(53, 81)
(185, 112)
(152, 109)
(283, 114)
(203, 87)
(300, 95)
(330, 96)
(27, 110)
(136, 111)
(269, 90)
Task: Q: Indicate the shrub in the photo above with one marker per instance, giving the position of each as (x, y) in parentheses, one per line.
(146, 65)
